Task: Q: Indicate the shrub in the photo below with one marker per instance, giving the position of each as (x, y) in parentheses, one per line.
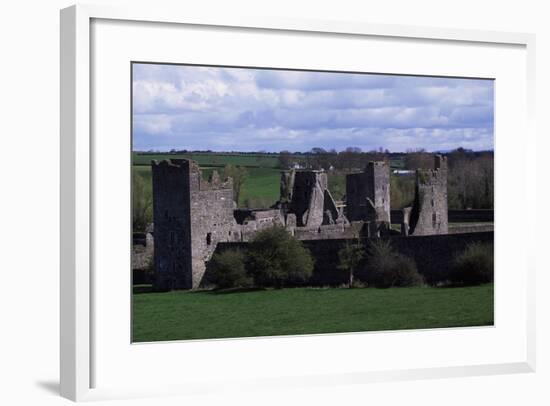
(277, 259)
(228, 270)
(387, 268)
(358, 284)
(473, 266)
(350, 257)
(142, 203)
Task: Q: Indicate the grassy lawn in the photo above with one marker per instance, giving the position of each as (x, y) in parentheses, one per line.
(192, 315)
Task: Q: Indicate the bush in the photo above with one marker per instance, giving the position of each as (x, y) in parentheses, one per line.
(228, 270)
(142, 203)
(473, 266)
(277, 259)
(350, 257)
(387, 268)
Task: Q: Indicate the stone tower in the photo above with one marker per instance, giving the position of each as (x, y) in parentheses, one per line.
(368, 194)
(429, 213)
(191, 216)
(308, 196)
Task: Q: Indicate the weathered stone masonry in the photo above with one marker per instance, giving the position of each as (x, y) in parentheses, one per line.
(429, 213)
(191, 215)
(368, 193)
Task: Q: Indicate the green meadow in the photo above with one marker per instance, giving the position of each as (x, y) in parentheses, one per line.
(213, 159)
(182, 315)
(261, 187)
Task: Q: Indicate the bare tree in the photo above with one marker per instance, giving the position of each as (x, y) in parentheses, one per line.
(239, 175)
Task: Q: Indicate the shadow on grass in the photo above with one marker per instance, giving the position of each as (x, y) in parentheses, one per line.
(231, 290)
(137, 289)
(140, 289)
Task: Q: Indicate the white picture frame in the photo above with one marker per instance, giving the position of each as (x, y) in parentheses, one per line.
(77, 219)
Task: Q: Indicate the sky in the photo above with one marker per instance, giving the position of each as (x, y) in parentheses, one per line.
(243, 109)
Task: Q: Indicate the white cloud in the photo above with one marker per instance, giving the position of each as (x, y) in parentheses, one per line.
(207, 108)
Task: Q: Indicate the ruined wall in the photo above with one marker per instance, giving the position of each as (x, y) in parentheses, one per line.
(254, 221)
(308, 195)
(368, 193)
(286, 185)
(470, 228)
(432, 254)
(429, 213)
(142, 250)
(212, 219)
(471, 215)
(191, 216)
(331, 215)
(172, 225)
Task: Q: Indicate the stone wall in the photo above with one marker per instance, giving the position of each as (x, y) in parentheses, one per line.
(432, 254)
(368, 193)
(308, 195)
(172, 225)
(472, 215)
(429, 211)
(470, 228)
(454, 216)
(212, 219)
(191, 216)
(142, 251)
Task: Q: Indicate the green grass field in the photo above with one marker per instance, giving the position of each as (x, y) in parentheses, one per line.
(261, 187)
(184, 315)
(213, 159)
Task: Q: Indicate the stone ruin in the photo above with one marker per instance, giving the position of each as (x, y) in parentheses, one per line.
(192, 215)
(429, 214)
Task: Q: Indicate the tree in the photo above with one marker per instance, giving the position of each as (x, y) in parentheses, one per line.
(349, 159)
(228, 269)
(320, 158)
(277, 259)
(350, 256)
(470, 179)
(419, 159)
(239, 175)
(142, 203)
(387, 268)
(318, 150)
(285, 159)
(473, 266)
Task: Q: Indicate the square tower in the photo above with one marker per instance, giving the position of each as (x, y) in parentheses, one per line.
(368, 193)
(172, 224)
(429, 213)
(190, 217)
(308, 196)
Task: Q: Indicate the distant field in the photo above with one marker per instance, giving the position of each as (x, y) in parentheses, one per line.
(397, 163)
(213, 159)
(261, 188)
(184, 315)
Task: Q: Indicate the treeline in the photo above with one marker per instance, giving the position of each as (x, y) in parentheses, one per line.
(351, 158)
(470, 181)
(470, 178)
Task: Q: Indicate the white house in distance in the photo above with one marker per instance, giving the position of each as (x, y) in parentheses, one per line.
(402, 172)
